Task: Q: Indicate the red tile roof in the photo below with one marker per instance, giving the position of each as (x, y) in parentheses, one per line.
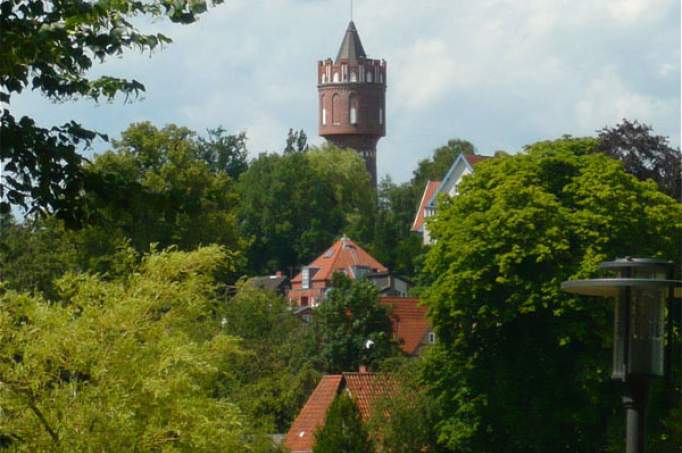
(341, 257)
(473, 159)
(364, 388)
(429, 190)
(301, 435)
(409, 320)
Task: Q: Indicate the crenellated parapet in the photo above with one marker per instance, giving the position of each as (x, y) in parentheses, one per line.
(359, 71)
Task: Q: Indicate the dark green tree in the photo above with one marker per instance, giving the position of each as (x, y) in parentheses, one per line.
(297, 142)
(343, 430)
(293, 206)
(50, 46)
(224, 152)
(352, 327)
(160, 190)
(405, 420)
(521, 366)
(276, 372)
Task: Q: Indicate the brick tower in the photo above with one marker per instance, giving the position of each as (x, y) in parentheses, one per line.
(352, 92)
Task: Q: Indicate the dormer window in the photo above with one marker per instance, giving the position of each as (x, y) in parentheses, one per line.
(305, 278)
(431, 338)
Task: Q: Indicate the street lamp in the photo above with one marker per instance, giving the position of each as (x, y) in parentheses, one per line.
(641, 287)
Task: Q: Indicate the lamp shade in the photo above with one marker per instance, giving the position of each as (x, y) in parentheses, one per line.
(640, 287)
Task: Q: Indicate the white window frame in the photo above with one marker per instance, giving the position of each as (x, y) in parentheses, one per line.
(305, 278)
(353, 114)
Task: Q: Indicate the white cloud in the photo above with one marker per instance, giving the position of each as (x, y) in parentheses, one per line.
(501, 73)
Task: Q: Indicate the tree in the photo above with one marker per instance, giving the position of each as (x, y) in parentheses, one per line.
(127, 365)
(392, 243)
(160, 190)
(405, 420)
(352, 327)
(293, 206)
(343, 430)
(276, 371)
(297, 142)
(443, 158)
(644, 155)
(521, 366)
(50, 47)
(224, 153)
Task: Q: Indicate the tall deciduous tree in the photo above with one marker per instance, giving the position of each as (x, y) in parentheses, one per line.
(124, 365)
(352, 327)
(161, 189)
(49, 46)
(293, 206)
(343, 430)
(521, 366)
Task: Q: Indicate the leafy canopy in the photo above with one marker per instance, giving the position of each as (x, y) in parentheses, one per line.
(127, 365)
(353, 328)
(49, 46)
(520, 365)
(292, 206)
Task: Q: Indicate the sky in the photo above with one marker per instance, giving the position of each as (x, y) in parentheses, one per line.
(499, 73)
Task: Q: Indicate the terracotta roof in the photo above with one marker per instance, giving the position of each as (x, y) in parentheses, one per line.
(341, 257)
(409, 320)
(473, 159)
(429, 190)
(301, 435)
(364, 388)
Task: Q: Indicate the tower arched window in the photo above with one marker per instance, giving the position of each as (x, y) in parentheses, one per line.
(323, 109)
(336, 110)
(353, 111)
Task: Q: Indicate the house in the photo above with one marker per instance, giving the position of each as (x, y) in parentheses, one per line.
(364, 388)
(411, 327)
(278, 283)
(461, 167)
(311, 284)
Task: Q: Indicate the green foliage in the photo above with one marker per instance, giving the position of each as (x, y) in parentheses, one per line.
(443, 158)
(343, 430)
(297, 142)
(164, 187)
(122, 366)
(521, 366)
(50, 47)
(392, 243)
(405, 420)
(352, 327)
(293, 206)
(276, 372)
(224, 153)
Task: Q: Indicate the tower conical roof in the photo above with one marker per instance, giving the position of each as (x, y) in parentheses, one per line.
(351, 47)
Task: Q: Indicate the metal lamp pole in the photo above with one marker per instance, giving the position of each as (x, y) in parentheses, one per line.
(642, 290)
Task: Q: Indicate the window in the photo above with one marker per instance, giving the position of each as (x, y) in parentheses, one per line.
(353, 115)
(305, 281)
(324, 78)
(369, 77)
(324, 115)
(304, 301)
(381, 115)
(432, 338)
(336, 77)
(381, 77)
(353, 76)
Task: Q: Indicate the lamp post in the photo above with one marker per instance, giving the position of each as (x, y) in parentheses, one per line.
(641, 287)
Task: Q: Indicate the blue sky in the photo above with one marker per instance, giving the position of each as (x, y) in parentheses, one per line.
(500, 73)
